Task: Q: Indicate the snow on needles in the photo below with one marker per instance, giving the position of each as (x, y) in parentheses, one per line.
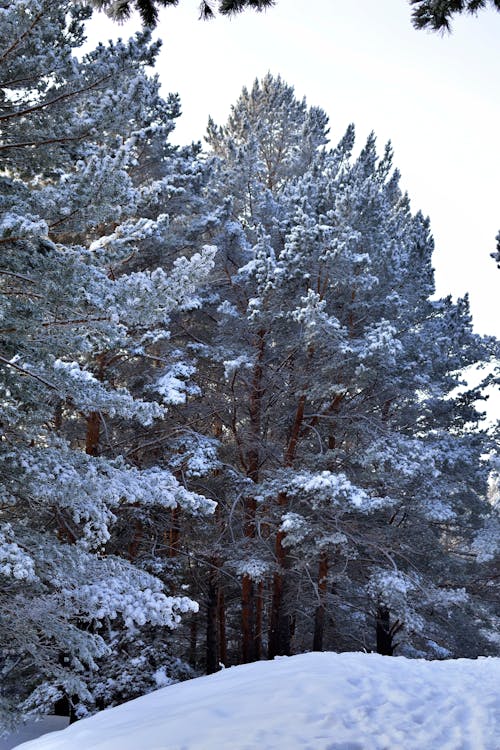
(309, 702)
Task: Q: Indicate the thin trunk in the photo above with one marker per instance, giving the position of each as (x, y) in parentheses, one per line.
(64, 707)
(247, 593)
(279, 630)
(221, 601)
(259, 611)
(255, 410)
(135, 542)
(319, 617)
(280, 626)
(94, 418)
(221, 612)
(248, 604)
(93, 434)
(193, 641)
(247, 620)
(385, 631)
(212, 655)
(295, 432)
(58, 412)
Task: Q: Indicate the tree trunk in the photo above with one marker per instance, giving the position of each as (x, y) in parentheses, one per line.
(385, 631)
(221, 610)
(93, 434)
(249, 637)
(64, 707)
(58, 416)
(135, 542)
(259, 611)
(279, 630)
(319, 616)
(247, 620)
(212, 651)
(193, 641)
(94, 418)
(248, 593)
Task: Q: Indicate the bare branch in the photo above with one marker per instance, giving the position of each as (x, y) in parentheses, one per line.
(27, 372)
(19, 39)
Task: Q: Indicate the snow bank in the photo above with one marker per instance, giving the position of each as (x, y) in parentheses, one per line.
(309, 702)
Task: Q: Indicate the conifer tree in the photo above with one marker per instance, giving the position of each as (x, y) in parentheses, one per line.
(337, 370)
(73, 214)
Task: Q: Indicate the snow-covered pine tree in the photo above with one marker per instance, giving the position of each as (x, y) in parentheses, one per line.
(333, 372)
(72, 214)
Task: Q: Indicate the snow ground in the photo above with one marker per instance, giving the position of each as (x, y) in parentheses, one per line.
(316, 701)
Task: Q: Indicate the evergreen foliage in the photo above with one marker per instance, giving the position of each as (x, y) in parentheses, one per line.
(264, 448)
(148, 9)
(72, 134)
(333, 373)
(438, 14)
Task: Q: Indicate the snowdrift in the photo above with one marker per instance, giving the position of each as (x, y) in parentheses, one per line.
(314, 701)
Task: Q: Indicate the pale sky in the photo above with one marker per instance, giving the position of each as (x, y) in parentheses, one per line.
(437, 98)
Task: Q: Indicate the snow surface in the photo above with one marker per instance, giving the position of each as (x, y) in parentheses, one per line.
(316, 701)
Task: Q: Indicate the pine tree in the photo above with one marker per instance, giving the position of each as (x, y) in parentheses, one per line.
(72, 215)
(335, 389)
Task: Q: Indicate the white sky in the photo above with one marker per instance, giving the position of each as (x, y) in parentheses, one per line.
(436, 98)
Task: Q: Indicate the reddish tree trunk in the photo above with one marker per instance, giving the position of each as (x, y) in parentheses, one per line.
(93, 434)
(279, 628)
(94, 418)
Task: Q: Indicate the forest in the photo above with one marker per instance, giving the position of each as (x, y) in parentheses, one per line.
(236, 421)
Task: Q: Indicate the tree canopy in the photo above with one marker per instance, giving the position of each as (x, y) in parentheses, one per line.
(148, 9)
(438, 14)
(233, 419)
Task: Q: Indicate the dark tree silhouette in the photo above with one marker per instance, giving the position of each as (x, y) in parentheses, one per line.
(148, 9)
(437, 14)
(426, 14)
(496, 255)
